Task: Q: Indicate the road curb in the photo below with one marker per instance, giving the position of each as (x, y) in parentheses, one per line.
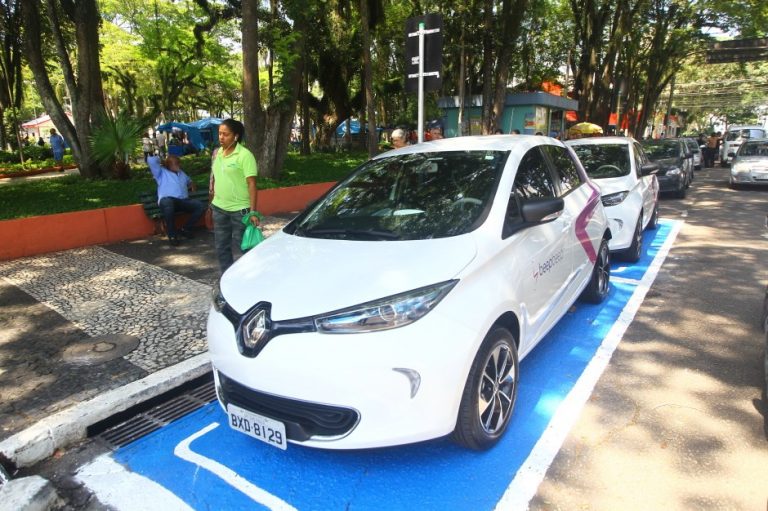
(41, 440)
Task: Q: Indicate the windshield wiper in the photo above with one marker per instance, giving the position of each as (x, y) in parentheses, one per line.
(349, 233)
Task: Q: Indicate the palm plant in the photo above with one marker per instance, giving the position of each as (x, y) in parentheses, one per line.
(113, 140)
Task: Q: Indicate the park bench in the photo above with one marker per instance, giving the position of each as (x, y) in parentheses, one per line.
(148, 201)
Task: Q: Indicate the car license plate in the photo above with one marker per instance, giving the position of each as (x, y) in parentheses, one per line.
(262, 428)
(761, 176)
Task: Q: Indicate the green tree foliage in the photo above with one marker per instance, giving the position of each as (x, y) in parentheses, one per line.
(162, 60)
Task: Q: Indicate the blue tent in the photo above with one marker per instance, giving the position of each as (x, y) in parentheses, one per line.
(201, 134)
(354, 128)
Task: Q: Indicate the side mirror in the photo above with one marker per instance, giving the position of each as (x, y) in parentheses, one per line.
(543, 210)
(649, 168)
(732, 155)
(531, 212)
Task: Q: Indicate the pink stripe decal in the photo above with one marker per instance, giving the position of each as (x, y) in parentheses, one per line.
(583, 220)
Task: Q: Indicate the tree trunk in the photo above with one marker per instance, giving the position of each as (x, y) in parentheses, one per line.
(252, 114)
(373, 144)
(488, 79)
(306, 123)
(512, 19)
(462, 80)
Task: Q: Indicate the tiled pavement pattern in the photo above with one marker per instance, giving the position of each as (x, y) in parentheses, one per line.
(51, 302)
(105, 293)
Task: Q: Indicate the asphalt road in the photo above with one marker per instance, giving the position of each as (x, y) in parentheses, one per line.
(678, 419)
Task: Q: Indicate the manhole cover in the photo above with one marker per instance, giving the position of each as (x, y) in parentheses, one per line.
(100, 349)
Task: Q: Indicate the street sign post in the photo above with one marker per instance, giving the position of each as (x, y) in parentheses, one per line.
(424, 59)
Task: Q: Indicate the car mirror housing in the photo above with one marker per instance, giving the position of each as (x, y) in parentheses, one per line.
(533, 212)
(541, 211)
(649, 168)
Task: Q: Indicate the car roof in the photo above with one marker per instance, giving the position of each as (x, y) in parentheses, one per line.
(475, 143)
(600, 140)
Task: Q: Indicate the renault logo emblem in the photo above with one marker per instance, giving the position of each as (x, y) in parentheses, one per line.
(255, 329)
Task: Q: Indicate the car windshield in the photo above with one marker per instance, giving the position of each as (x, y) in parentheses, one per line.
(661, 149)
(604, 160)
(754, 149)
(407, 197)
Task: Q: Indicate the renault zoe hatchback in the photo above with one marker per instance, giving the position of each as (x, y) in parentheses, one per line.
(629, 188)
(397, 307)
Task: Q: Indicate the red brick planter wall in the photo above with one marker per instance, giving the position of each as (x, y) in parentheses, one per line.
(50, 233)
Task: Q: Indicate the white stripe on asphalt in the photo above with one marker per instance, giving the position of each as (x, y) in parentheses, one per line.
(124, 490)
(228, 475)
(528, 478)
(624, 280)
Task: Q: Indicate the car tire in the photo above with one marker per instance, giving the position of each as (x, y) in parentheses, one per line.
(680, 194)
(492, 381)
(633, 253)
(653, 223)
(597, 289)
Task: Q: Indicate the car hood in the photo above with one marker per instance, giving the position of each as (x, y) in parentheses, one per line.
(666, 163)
(307, 276)
(613, 184)
(761, 160)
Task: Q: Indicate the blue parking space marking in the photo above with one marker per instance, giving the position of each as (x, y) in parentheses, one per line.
(208, 465)
(652, 243)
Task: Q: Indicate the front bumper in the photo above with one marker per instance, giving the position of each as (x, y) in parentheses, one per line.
(365, 390)
(749, 178)
(670, 183)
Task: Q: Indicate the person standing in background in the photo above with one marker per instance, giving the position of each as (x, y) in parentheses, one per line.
(399, 138)
(57, 145)
(234, 191)
(146, 146)
(160, 144)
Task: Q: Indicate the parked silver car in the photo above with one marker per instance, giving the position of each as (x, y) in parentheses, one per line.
(750, 164)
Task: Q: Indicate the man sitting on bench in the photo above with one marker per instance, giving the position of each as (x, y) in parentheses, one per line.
(173, 187)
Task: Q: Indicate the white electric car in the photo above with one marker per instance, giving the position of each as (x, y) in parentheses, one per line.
(630, 190)
(395, 309)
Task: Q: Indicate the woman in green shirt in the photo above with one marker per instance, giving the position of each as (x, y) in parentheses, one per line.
(233, 191)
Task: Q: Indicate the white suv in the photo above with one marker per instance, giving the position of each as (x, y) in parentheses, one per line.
(734, 138)
(630, 190)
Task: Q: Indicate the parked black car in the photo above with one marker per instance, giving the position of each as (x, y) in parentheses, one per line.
(675, 164)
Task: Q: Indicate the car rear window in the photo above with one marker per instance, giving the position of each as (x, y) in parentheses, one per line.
(661, 149)
(604, 160)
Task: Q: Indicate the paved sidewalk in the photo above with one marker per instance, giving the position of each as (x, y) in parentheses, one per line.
(81, 324)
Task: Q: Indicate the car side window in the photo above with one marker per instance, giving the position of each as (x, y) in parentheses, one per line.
(533, 181)
(565, 168)
(640, 159)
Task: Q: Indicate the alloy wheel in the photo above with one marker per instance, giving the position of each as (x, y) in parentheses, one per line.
(497, 389)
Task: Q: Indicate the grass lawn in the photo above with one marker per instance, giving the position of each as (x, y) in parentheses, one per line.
(72, 193)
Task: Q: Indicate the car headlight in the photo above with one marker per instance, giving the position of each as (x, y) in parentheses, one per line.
(217, 298)
(613, 199)
(739, 168)
(391, 312)
(673, 171)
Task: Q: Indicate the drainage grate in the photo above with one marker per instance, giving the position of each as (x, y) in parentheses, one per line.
(158, 416)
